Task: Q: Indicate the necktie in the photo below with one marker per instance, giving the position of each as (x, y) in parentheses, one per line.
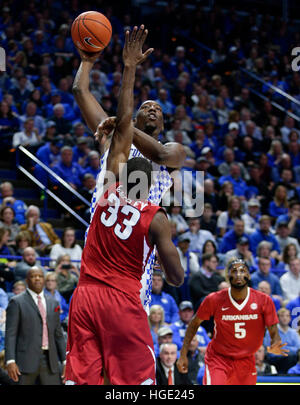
(170, 377)
(37, 238)
(43, 315)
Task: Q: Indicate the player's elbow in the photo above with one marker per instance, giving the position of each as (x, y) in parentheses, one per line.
(175, 278)
(77, 90)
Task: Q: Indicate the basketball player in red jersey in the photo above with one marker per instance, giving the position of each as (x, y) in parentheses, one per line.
(241, 315)
(109, 339)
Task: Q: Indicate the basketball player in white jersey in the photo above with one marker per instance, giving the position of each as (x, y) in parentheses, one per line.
(148, 125)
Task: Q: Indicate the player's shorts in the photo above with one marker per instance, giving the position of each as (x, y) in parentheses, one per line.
(108, 331)
(224, 370)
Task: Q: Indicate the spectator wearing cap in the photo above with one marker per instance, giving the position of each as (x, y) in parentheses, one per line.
(231, 237)
(208, 154)
(252, 216)
(160, 297)
(81, 151)
(203, 165)
(243, 252)
(50, 131)
(283, 238)
(189, 262)
(186, 313)
(49, 154)
(206, 280)
(164, 335)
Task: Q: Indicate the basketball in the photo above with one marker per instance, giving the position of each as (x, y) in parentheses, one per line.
(91, 31)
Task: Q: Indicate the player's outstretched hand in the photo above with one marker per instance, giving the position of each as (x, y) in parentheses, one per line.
(133, 48)
(277, 348)
(182, 364)
(88, 56)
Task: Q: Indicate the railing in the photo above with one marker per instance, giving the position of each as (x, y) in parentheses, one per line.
(61, 181)
(43, 259)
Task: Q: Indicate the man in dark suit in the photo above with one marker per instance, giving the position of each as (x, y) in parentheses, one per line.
(166, 371)
(34, 340)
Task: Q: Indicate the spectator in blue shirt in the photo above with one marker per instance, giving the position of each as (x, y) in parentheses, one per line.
(166, 105)
(279, 204)
(296, 368)
(231, 237)
(264, 274)
(294, 307)
(93, 163)
(239, 185)
(264, 233)
(68, 170)
(3, 299)
(287, 335)
(49, 154)
(186, 312)
(7, 199)
(159, 297)
(265, 287)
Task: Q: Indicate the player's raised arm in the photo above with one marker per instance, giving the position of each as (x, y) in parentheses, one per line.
(123, 132)
(90, 109)
(160, 236)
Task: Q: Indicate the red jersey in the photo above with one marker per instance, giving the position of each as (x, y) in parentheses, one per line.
(117, 246)
(239, 327)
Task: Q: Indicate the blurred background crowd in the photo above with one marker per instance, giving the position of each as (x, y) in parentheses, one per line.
(239, 129)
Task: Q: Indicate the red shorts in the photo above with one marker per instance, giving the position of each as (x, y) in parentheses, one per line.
(223, 370)
(108, 330)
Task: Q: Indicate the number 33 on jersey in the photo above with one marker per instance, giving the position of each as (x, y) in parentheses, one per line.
(117, 246)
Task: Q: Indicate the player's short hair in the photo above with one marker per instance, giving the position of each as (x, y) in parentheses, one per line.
(139, 164)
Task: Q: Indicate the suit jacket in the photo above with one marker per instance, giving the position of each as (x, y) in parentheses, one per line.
(23, 337)
(161, 379)
(47, 228)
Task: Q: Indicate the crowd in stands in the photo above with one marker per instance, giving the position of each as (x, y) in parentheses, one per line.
(248, 150)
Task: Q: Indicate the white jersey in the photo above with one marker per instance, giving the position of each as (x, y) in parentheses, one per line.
(161, 184)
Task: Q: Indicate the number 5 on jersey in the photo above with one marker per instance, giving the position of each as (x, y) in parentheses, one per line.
(109, 218)
(239, 331)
